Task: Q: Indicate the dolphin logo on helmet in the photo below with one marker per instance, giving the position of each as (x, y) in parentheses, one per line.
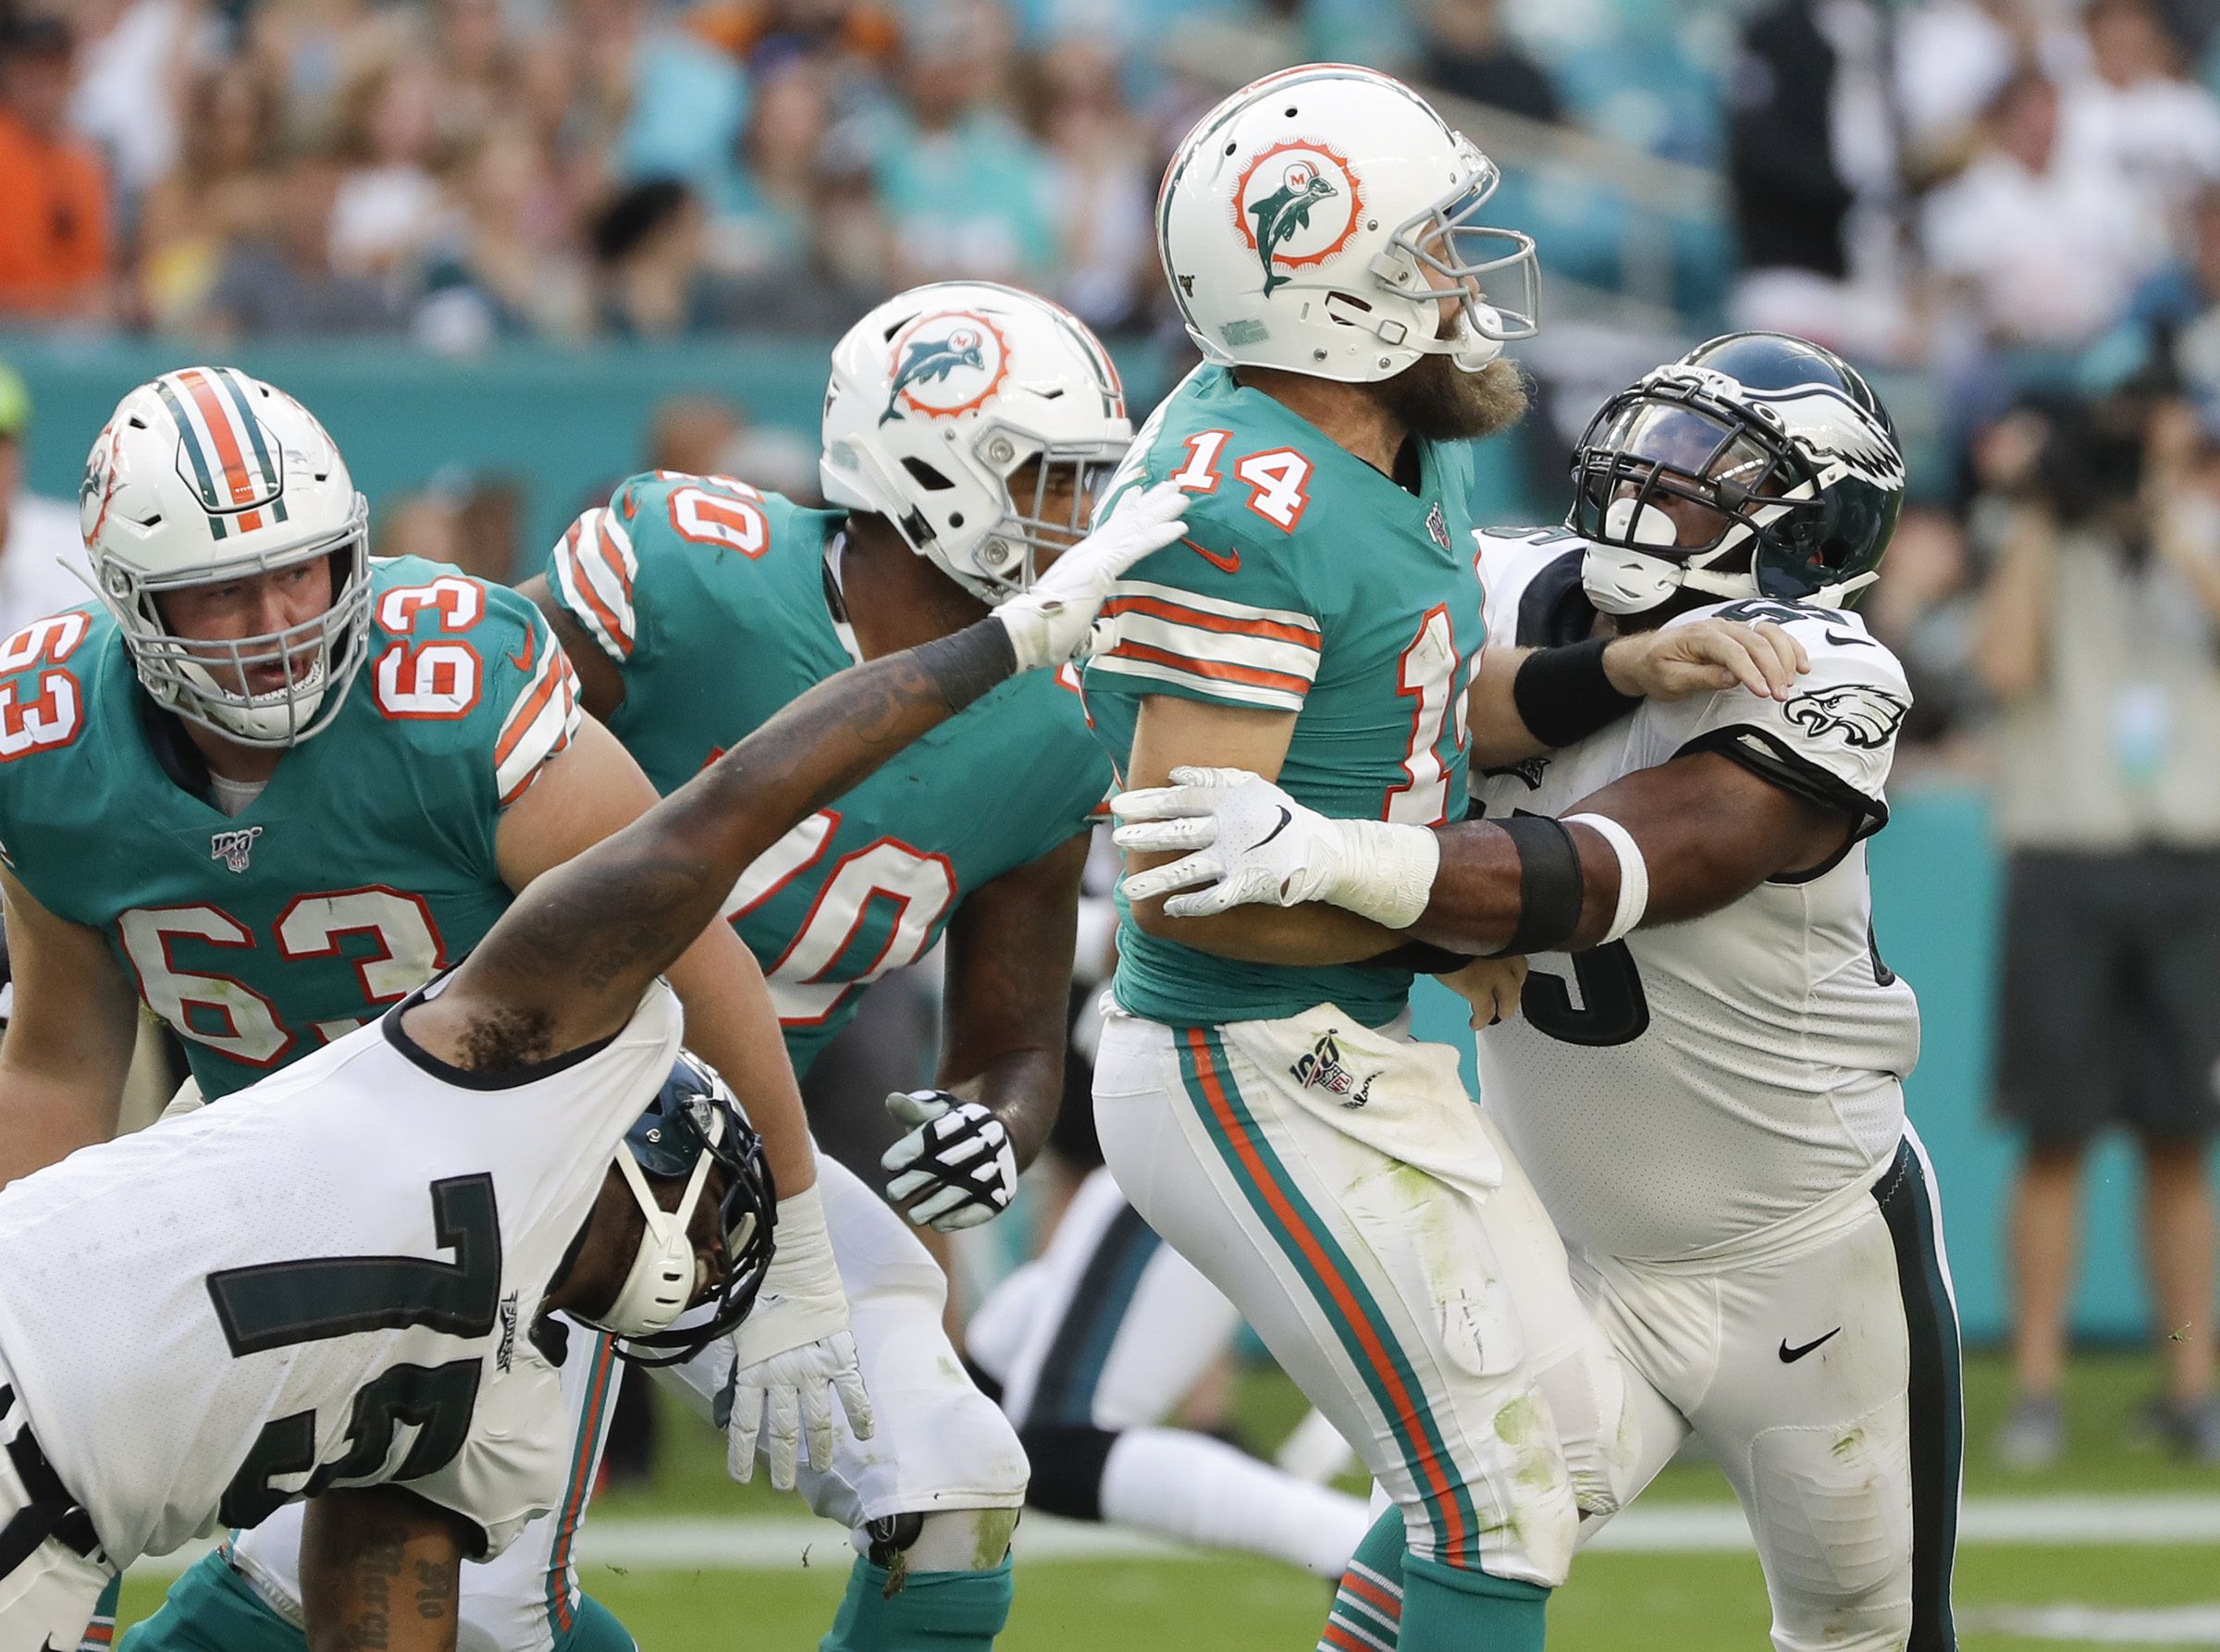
(930, 361)
(1287, 209)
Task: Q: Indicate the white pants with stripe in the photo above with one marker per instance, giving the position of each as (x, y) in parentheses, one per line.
(1819, 1364)
(1364, 1217)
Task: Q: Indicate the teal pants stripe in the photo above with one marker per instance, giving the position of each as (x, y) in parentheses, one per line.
(578, 1487)
(1334, 1282)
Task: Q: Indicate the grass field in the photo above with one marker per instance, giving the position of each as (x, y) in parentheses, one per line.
(2097, 1594)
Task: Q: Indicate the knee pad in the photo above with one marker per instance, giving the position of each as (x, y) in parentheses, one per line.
(1067, 1460)
(950, 1540)
(1833, 1521)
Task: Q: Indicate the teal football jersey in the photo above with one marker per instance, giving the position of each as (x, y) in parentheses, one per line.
(712, 600)
(1308, 583)
(367, 863)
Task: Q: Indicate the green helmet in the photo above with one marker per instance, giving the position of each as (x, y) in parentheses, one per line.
(1783, 448)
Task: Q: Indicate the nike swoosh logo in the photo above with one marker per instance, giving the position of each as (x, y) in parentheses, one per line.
(1789, 1356)
(523, 662)
(1227, 562)
(1284, 817)
(1840, 641)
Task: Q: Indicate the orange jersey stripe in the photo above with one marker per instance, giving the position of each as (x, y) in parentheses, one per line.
(1344, 1299)
(1157, 608)
(611, 627)
(526, 712)
(1372, 1593)
(613, 557)
(1341, 1640)
(1285, 681)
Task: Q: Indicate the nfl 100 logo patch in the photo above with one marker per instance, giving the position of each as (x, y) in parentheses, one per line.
(1322, 1069)
(234, 848)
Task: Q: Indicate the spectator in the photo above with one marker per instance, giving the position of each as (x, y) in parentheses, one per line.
(648, 246)
(2100, 635)
(1102, 187)
(53, 190)
(963, 188)
(674, 104)
(502, 265)
(39, 538)
(2137, 117)
(1952, 58)
(1994, 234)
(693, 434)
(312, 49)
(279, 283)
(760, 213)
(134, 59)
(850, 252)
(218, 192)
(1467, 52)
(388, 204)
(1813, 165)
(1922, 609)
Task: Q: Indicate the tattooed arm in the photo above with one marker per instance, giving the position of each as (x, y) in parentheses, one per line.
(379, 1571)
(568, 962)
(1008, 1000)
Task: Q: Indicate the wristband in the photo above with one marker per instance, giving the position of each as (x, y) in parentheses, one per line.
(1562, 695)
(1634, 873)
(1550, 885)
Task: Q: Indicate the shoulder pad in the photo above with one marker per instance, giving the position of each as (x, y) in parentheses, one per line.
(1527, 576)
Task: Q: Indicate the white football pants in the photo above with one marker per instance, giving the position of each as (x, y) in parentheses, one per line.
(1337, 1185)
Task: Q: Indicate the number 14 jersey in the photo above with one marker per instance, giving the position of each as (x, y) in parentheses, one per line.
(1689, 1086)
(365, 866)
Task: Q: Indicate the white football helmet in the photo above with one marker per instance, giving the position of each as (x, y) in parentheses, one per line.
(205, 475)
(943, 391)
(1298, 220)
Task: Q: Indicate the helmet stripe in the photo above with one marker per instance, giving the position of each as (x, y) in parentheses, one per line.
(235, 386)
(191, 439)
(228, 451)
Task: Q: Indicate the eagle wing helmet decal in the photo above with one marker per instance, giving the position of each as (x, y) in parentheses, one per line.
(1842, 437)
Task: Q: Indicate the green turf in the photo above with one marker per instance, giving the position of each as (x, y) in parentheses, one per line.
(1614, 1603)
(1639, 1602)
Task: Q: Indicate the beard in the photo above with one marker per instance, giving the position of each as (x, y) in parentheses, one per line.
(1437, 401)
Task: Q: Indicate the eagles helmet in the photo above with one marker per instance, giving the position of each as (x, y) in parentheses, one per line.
(205, 475)
(1786, 449)
(939, 394)
(692, 1123)
(1299, 219)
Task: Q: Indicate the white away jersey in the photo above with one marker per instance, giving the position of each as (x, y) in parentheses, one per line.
(328, 1278)
(1694, 1084)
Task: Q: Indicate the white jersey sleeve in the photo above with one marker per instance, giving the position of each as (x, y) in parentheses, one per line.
(1831, 740)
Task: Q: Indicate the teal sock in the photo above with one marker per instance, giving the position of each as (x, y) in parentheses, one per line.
(1449, 1608)
(1368, 1607)
(594, 1628)
(932, 1611)
(100, 1632)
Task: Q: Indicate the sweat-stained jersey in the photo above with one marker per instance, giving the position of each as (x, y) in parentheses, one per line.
(365, 866)
(329, 1280)
(1310, 583)
(1693, 1084)
(712, 598)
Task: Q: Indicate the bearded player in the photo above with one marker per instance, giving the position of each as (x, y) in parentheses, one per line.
(554, 1029)
(1706, 1084)
(315, 779)
(967, 430)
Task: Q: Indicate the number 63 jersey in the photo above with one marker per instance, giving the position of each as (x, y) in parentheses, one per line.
(365, 865)
(1690, 1086)
(329, 1280)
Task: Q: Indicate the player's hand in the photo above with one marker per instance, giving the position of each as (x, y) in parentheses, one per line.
(1250, 843)
(793, 1355)
(1053, 621)
(1704, 656)
(1492, 986)
(956, 1167)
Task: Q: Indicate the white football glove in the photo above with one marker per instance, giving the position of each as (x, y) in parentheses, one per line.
(955, 1147)
(792, 1354)
(1252, 845)
(1053, 620)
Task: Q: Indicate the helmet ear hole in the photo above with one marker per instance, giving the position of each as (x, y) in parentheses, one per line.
(925, 476)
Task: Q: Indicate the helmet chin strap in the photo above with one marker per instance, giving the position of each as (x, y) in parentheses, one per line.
(663, 1275)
